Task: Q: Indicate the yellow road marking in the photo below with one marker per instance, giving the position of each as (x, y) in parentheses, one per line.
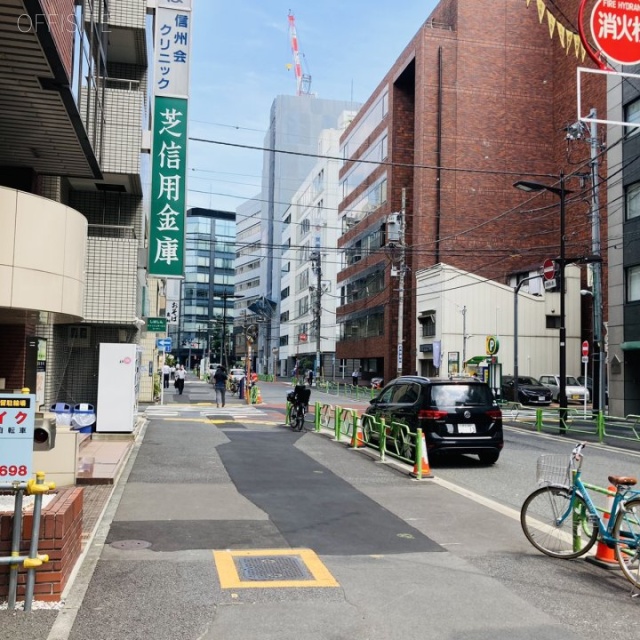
(229, 578)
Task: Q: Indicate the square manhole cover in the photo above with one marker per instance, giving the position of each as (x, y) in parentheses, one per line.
(264, 568)
(272, 568)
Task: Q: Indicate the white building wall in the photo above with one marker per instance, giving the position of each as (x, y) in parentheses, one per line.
(489, 311)
(314, 225)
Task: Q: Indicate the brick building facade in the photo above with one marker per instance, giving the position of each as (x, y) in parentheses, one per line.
(476, 101)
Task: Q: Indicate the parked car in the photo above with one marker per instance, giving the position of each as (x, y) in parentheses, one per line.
(530, 390)
(457, 415)
(575, 391)
(237, 374)
(589, 385)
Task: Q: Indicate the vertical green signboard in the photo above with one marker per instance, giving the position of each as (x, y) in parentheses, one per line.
(168, 187)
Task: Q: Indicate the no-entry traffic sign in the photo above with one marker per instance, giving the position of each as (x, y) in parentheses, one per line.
(549, 269)
(585, 349)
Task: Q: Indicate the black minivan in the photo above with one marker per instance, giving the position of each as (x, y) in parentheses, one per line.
(456, 415)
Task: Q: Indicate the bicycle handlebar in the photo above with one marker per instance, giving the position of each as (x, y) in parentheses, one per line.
(576, 454)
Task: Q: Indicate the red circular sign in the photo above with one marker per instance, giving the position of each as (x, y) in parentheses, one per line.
(615, 28)
(549, 269)
(585, 348)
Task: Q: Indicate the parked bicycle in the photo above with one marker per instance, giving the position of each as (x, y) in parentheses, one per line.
(299, 400)
(561, 520)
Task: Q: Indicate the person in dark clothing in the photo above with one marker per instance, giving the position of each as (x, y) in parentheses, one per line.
(220, 385)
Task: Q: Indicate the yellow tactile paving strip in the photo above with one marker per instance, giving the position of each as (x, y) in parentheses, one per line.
(230, 579)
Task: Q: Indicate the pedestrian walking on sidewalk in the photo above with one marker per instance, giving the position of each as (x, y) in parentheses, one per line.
(220, 385)
(180, 376)
(166, 372)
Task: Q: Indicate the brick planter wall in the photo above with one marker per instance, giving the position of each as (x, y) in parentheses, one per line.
(60, 539)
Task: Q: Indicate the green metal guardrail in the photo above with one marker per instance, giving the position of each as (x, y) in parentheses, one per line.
(397, 441)
(599, 426)
(346, 390)
(394, 439)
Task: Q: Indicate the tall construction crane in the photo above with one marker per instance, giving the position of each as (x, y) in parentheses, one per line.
(303, 80)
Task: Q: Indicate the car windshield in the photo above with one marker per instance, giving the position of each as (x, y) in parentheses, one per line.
(452, 395)
(528, 380)
(573, 382)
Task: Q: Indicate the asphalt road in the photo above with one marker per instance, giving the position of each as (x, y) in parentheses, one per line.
(442, 558)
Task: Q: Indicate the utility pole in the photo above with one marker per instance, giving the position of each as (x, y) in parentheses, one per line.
(463, 311)
(401, 224)
(598, 400)
(316, 260)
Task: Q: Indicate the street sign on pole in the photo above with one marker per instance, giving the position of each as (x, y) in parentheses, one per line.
(164, 344)
(17, 417)
(157, 325)
(585, 349)
(549, 269)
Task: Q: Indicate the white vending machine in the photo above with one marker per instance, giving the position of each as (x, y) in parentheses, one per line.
(118, 387)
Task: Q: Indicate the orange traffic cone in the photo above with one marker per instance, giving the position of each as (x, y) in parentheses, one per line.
(357, 439)
(258, 397)
(605, 556)
(425, 472)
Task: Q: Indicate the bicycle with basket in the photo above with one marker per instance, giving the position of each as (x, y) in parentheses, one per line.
(299, 401)
(560, 519)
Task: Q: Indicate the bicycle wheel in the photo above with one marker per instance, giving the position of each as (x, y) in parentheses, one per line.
(626, 531)
(299, 420)
(556, 527)
(293, 416)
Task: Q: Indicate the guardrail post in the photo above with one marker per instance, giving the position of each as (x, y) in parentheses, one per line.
(538, 419)
(383, 439)
(317, 417)
(600, 426)
(15, 549)
(338, 422)
(34, 560)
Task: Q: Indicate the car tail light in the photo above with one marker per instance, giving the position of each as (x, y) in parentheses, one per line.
(431, 414)
(494, 413)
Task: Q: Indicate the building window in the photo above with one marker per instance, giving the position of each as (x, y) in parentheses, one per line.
(428, 324)
(633, 283)
(632, 114)
(632, 201)
(553, 322)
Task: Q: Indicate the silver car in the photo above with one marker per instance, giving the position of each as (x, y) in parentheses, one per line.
(575, 391)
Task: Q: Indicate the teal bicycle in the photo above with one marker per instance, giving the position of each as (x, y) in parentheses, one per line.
(561, 520)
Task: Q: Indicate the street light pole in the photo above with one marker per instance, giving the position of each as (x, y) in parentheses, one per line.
(515, 335)
(561, 192)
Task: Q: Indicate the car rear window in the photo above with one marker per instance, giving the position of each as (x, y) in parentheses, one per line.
(455, 395)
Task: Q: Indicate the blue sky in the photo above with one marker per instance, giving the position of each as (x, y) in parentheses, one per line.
(240, 51)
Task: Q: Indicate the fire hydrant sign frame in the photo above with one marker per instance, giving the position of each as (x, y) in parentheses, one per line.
(17, 423)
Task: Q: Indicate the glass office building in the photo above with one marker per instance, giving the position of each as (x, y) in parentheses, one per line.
(205, 323)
